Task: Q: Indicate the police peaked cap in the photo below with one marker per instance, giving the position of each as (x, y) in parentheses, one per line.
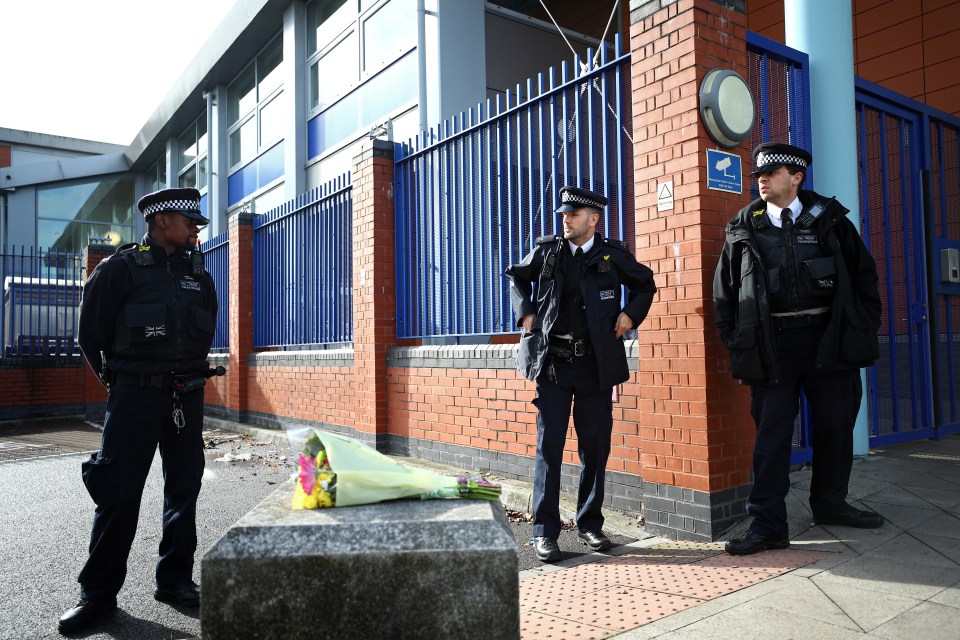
(573, 198)
(185, 201)
(770, 156)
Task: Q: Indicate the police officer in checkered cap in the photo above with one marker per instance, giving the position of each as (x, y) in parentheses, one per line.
(567, 296)
(798, 307)
(147, 319)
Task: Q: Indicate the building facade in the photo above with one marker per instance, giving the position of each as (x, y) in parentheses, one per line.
(288, 97)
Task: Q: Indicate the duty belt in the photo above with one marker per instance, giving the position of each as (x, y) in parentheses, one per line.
(569, 348)
(798, 320)
(154, 380)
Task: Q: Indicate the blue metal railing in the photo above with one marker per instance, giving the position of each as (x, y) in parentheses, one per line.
(472, 197)
(41, 300)
(303, 270)
(216, 253)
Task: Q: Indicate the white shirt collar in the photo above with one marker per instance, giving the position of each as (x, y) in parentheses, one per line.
(776, 212)
(586, 246)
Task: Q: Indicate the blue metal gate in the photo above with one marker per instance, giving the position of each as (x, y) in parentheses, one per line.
(473, 198)
(910, 209)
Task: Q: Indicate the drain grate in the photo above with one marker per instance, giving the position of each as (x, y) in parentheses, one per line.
(20, 451)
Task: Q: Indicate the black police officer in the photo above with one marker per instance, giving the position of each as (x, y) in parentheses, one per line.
(566, 295)
(798, 307)
(146, 325)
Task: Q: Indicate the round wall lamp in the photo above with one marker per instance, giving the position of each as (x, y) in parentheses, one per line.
(726, 107)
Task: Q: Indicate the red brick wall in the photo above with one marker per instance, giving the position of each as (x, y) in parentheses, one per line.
(907, 46)
(694, 430)
(5, 155)
(324, 394)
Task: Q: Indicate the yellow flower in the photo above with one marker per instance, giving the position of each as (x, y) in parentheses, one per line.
(324, 500)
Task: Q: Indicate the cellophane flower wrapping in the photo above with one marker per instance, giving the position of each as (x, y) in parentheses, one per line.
(335, 470)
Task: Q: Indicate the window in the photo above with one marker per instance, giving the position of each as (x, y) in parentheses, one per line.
(352, 40)
(192, 147)
(68, 217)
(388, 31)
(334, 72)
(254, 119)
(156, 175)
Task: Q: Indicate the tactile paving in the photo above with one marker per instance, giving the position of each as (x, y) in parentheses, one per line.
(614, 594)
(620, 608)
(538, 626)
(778, 562)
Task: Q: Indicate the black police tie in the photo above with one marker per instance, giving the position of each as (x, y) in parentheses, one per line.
(578, 259)
(787, 220)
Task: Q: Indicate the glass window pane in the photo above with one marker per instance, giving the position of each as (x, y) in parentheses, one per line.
(243, 142)
(202, 134)
(74, 236)
(335, 73)
(271, 121)
(189, 178)
(389, 30)
(241, 97)
(202, 173)
(326, 19)
(269, 69)
(69, 215)
(187, 143)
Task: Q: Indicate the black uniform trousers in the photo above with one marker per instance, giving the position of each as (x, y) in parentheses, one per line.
(138, 420)
(834, 398)
(576, 383)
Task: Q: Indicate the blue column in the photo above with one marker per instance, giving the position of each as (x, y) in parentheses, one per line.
(824, 30)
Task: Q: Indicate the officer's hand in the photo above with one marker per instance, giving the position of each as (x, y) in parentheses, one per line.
(624, 324)
(527, 322)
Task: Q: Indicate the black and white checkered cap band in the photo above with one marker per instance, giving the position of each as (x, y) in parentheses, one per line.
(172, 205)
(568, 197)
(763, 159)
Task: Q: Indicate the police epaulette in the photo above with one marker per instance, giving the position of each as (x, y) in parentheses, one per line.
(759, 218)
(140, 252)
(620, 244)
(546, 239)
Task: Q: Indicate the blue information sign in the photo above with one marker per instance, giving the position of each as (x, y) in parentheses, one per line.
(724, 172)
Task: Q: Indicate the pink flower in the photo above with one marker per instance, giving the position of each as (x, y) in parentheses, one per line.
(308, 473)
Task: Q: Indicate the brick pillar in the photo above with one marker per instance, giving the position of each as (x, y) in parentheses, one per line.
(374, 286)
(240, 229)
(696, 433)
(94, 393)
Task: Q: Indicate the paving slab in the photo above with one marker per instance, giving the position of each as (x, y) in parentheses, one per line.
(888, 576)
(868, 609)
(908, 548)
(926, 621)
(803, 597)
(752, 621)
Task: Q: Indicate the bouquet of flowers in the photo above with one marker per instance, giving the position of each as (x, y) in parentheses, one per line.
(338, 471)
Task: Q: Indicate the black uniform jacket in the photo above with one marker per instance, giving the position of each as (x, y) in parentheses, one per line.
(607, 266)
(742, 305)
(155, 314)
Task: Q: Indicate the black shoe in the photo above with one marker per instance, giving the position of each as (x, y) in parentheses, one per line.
(86, 613)
(186, 595)
(848, 516)
(595, 540)
(547, 549)
(752, 542)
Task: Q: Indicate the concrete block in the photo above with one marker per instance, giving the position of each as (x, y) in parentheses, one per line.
(401, 569)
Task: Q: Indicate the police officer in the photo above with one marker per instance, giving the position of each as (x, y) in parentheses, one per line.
(798, 307)
(146, 325)
(566, 295)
